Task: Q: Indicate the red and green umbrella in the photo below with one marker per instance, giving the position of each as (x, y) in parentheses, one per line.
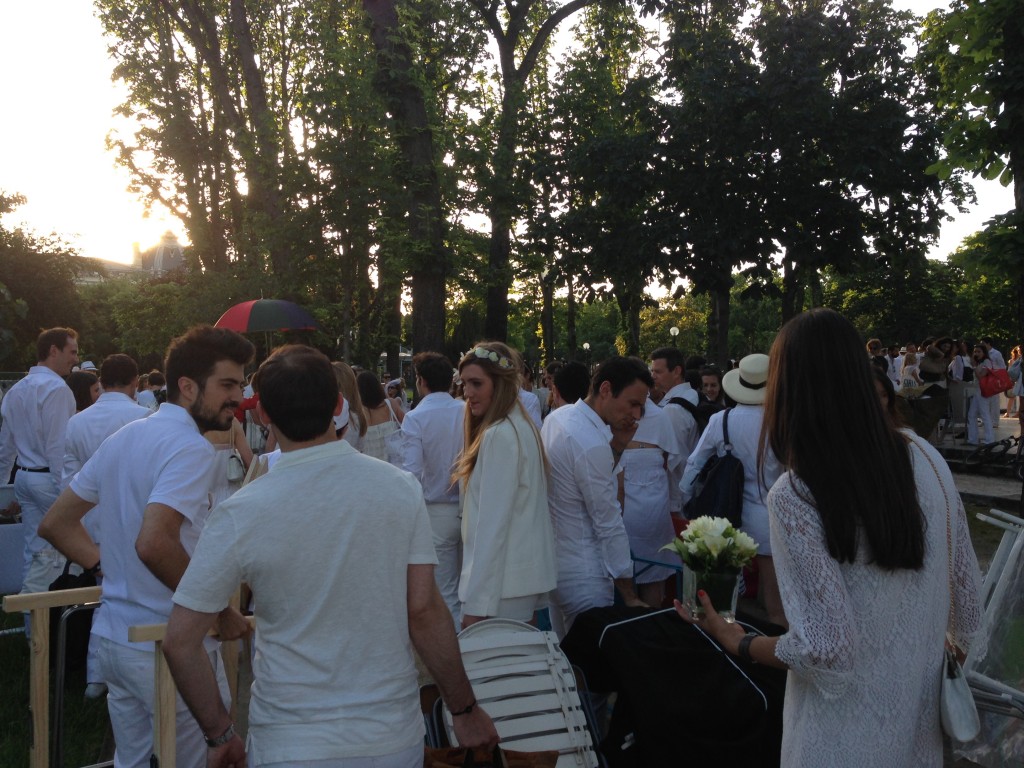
(267, 315)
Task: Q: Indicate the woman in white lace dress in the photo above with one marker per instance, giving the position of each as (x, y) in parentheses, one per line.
(861, 558)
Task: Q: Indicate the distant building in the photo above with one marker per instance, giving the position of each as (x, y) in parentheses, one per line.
(166, 256)
(163, 258)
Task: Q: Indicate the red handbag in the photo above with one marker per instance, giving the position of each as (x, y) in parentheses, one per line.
(998, 380)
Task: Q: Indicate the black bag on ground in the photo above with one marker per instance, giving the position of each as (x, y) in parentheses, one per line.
(682, 701)
(79, 624)
(719, 485)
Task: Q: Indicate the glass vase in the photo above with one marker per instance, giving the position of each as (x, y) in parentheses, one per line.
(722, 587)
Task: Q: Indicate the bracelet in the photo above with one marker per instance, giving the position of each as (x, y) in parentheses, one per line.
(469, 708)
(744, 648)
(221, 740)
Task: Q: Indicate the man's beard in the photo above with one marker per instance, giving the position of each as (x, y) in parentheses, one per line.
(207, 422)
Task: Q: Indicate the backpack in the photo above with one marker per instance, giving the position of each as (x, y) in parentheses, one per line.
(701, 412)
(719, 485)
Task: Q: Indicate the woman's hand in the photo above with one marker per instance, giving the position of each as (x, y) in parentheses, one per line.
(726, 634)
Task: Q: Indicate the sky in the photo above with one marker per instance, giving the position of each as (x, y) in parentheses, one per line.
(58, 100)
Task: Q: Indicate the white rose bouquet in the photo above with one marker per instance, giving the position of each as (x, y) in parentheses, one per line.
(713, 545)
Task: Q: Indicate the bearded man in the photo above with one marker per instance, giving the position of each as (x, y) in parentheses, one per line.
(150, 484)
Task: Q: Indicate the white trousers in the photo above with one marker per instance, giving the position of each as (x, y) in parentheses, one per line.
(128, 673)
(576, 594)
(35, 492)
(980, 408)
(447, 528)
(409, 758)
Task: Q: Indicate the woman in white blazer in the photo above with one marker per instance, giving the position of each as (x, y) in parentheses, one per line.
(508, 560)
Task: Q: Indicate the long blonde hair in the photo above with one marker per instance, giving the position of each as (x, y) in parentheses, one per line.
(347, 383)
(502, 365)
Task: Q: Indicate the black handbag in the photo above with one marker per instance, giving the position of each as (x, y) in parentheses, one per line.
(79, 624)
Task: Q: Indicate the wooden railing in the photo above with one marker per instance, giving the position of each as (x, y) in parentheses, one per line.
(38, 605)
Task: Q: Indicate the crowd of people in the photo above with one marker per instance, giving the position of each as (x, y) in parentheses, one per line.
(384, 527)
(931, 368)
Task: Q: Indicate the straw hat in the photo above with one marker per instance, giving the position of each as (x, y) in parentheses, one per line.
(746, 384)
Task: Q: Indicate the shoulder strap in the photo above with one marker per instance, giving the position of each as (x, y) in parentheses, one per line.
(949, 544)
(690, 407)
(725, 431)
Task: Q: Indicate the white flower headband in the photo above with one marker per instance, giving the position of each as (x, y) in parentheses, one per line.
(489, 354)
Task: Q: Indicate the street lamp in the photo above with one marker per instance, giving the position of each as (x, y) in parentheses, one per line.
(586, 348)
(673, 332)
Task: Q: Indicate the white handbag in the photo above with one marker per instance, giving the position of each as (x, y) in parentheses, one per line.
(236, 468)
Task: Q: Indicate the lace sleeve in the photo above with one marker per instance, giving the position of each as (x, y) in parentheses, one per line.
(966, 586)
(822, 632)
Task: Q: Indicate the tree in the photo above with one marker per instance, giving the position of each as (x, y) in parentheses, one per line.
(848, 141)
(711, 177)
(520, 29)
(602, 146)
(38, 273)
(973, 56)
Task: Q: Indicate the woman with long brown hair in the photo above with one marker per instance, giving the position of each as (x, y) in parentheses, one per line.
(358, 420)
(508, 556)
(859, 536)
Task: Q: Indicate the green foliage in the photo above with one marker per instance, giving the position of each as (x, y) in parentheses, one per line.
(38, 273)
(971, 54)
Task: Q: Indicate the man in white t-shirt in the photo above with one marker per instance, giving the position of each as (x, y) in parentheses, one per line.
(344, 589)
(150, 485)
(432, 435)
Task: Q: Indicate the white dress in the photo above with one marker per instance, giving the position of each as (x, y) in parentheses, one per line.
(645, 510)
(864, 646)
(375, 439)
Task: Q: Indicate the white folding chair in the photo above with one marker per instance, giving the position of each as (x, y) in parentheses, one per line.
(526, 684)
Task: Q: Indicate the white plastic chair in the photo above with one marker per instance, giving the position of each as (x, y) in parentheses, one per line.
(526, 684)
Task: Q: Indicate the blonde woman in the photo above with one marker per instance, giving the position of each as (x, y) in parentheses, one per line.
(358, 420)
(508, 563)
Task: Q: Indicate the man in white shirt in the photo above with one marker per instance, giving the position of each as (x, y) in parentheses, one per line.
(35, 412)
(591, 544)
(667, 371)
(86, 431)
(150, 484)
(335, 678)
(432, 435)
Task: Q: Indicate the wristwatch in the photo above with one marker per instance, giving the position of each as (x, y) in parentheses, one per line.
(221, 740)
(744, 648)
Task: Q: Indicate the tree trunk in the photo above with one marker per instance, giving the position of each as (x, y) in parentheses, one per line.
(570, 320)
(502, 213)
(397, 83)
(547, 320)
(792, 289)
(718, 328)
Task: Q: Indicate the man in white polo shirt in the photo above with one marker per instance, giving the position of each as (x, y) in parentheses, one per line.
(432, 435)
(35, 416)
(86, 431)
(150, 484)
(591, 544)
(344, 589)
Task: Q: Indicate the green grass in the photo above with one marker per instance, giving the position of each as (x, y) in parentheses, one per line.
(85, 722)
